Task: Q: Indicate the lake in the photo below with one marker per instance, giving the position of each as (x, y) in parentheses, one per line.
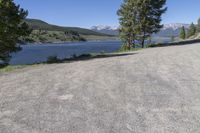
(39, 53)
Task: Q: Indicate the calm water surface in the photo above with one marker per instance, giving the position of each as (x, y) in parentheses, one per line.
(38, 53)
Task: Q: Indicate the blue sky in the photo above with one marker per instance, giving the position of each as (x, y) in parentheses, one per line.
(87, 13)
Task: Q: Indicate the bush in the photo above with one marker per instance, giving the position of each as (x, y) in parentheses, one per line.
(82, 39)
(155, 45)
(29, 40)
(124, 48)
(42, 39)
(52, 59)
(74, 56)
(84, 56)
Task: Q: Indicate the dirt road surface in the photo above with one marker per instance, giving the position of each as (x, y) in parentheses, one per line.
(149, 91)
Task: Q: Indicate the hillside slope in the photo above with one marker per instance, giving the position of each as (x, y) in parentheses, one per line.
(44, 32)
(41, 25)
(150, 91)
(197, 36)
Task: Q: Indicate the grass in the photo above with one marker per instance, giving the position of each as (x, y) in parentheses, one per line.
(131, 50)
(185, 42)
(12, 68)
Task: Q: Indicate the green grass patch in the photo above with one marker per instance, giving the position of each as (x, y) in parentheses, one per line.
(15, 67)
(126, 50)
(11, 68)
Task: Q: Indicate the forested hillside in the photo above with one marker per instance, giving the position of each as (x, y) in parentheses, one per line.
(43, 32)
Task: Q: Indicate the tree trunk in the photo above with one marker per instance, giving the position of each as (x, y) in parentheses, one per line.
(144, 36)
(129, 43)
(143, 39)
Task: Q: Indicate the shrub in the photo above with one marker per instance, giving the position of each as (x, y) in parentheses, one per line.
(42, 39)
(52, 59)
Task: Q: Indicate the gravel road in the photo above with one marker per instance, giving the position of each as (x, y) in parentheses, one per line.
(154, 90)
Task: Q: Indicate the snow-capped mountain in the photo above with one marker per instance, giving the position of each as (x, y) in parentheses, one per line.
(172, 29)
(167, 30)
(104, 27)
(175, 26)
(111, 30)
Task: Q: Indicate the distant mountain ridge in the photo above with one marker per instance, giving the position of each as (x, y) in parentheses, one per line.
(111, 30)
(43, 32)
(172, 29)
(102, 27)
(166, 31)
(41, 25)
(175, 26)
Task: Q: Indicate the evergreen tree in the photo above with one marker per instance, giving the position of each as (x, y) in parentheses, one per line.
(172, 38)
(12, 28)
(127, 14)
(198, 25)
(139, 19)
(149, 16)
(182, 33)
(192, 30)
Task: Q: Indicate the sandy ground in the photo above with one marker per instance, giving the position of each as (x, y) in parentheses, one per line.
(151, 91)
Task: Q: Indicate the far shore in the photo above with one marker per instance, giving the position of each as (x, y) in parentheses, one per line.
(40, 43)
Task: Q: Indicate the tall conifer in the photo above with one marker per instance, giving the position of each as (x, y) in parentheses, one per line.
(182, 33)
(12, 28)
(192, 30)
(139, 19)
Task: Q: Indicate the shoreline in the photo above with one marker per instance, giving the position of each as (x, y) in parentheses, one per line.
(83, 57)
(40, 43)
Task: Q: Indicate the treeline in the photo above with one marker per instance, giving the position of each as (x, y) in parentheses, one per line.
(139, 19)
(45, 36)
(36, 24)
(192, 31)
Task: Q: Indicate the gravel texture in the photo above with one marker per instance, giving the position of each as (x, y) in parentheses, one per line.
(154, 90)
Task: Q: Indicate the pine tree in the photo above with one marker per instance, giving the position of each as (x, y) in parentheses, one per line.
(139, 19)
(198, 25)
(192, 30)
(149, 15)
(127, 14)
(182, 33)
(172, 38)
(12, 28)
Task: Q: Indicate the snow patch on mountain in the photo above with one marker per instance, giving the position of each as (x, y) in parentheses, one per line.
(175, 26)
(167, 29)
(104, 27)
